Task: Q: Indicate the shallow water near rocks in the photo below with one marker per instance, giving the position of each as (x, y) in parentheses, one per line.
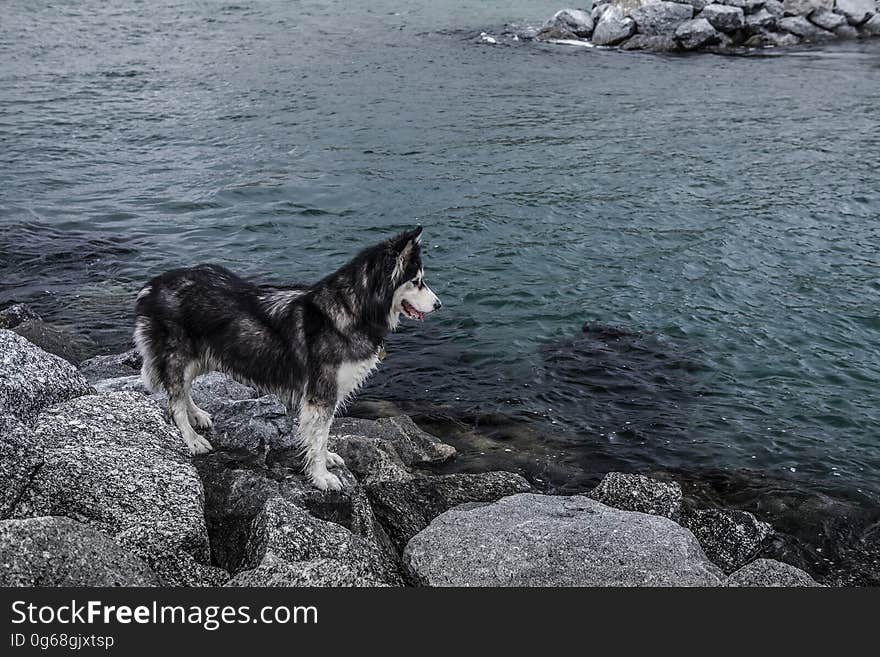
(713, 221)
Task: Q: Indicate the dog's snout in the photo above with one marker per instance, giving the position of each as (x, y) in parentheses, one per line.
(437, 304)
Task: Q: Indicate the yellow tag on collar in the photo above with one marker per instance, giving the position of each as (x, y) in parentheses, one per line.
(382, 353)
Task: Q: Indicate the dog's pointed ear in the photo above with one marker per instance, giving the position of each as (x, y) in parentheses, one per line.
(405, 246)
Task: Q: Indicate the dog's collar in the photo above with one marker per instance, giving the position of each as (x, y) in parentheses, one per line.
(381, 354)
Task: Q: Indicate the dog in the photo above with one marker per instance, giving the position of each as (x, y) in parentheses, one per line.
(312, 346)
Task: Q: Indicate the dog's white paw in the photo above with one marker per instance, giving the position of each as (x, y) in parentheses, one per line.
(325, 480)
(201, 420)
(334, 460)
(198, 445)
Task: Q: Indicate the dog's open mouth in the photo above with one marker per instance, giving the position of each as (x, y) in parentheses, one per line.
(411, 312)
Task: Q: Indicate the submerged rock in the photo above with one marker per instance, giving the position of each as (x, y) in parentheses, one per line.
(31, 379)
(70, 347)
(406, 507)
(542, 540)
(287, 544)
(697, 33)
(15, 314)
(633, 492)
(770, 573)
(729, 538)
(772, 40)
(54, 551)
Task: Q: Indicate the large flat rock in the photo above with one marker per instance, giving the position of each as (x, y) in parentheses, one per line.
(53, 551)
(541, 540)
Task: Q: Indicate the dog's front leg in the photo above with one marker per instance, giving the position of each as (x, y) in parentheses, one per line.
(315, 418)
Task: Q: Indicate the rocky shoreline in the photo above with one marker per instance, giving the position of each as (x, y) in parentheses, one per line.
(717, 26)
(98, 489)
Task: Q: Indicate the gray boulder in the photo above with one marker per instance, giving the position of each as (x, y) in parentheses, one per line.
(724, 18)
(577, 21)
(661, 17)
(634, 492)
(53, 551)
(761, 21)
(730, 538)
(826, 19)
(542, 540)
(698, 5)
(613, 27)
(775, 8)
(111, 366)
(554, 33)
(15, 314)
(112, 462)
(655, 43)
(856, 12)
(871, 27)
(283, 531)
(406, 507)
(800, 26)
(770, 573)
(696, 33)
(805, 7)
(31, 379)
(398, 436)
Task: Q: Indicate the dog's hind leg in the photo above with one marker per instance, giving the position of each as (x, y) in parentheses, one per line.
(197, 416)
(314, 430)
(177, 385)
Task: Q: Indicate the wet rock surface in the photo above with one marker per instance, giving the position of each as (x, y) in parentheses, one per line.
(729, 538)
(633, 492)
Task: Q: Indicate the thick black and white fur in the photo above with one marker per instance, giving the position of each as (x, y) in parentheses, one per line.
(312, 346)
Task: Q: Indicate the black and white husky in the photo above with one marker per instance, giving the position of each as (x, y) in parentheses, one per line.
(313, 346)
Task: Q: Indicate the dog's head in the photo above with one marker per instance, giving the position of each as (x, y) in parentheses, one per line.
(412, 297)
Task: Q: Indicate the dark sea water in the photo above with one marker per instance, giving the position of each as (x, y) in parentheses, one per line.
(715, 222)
